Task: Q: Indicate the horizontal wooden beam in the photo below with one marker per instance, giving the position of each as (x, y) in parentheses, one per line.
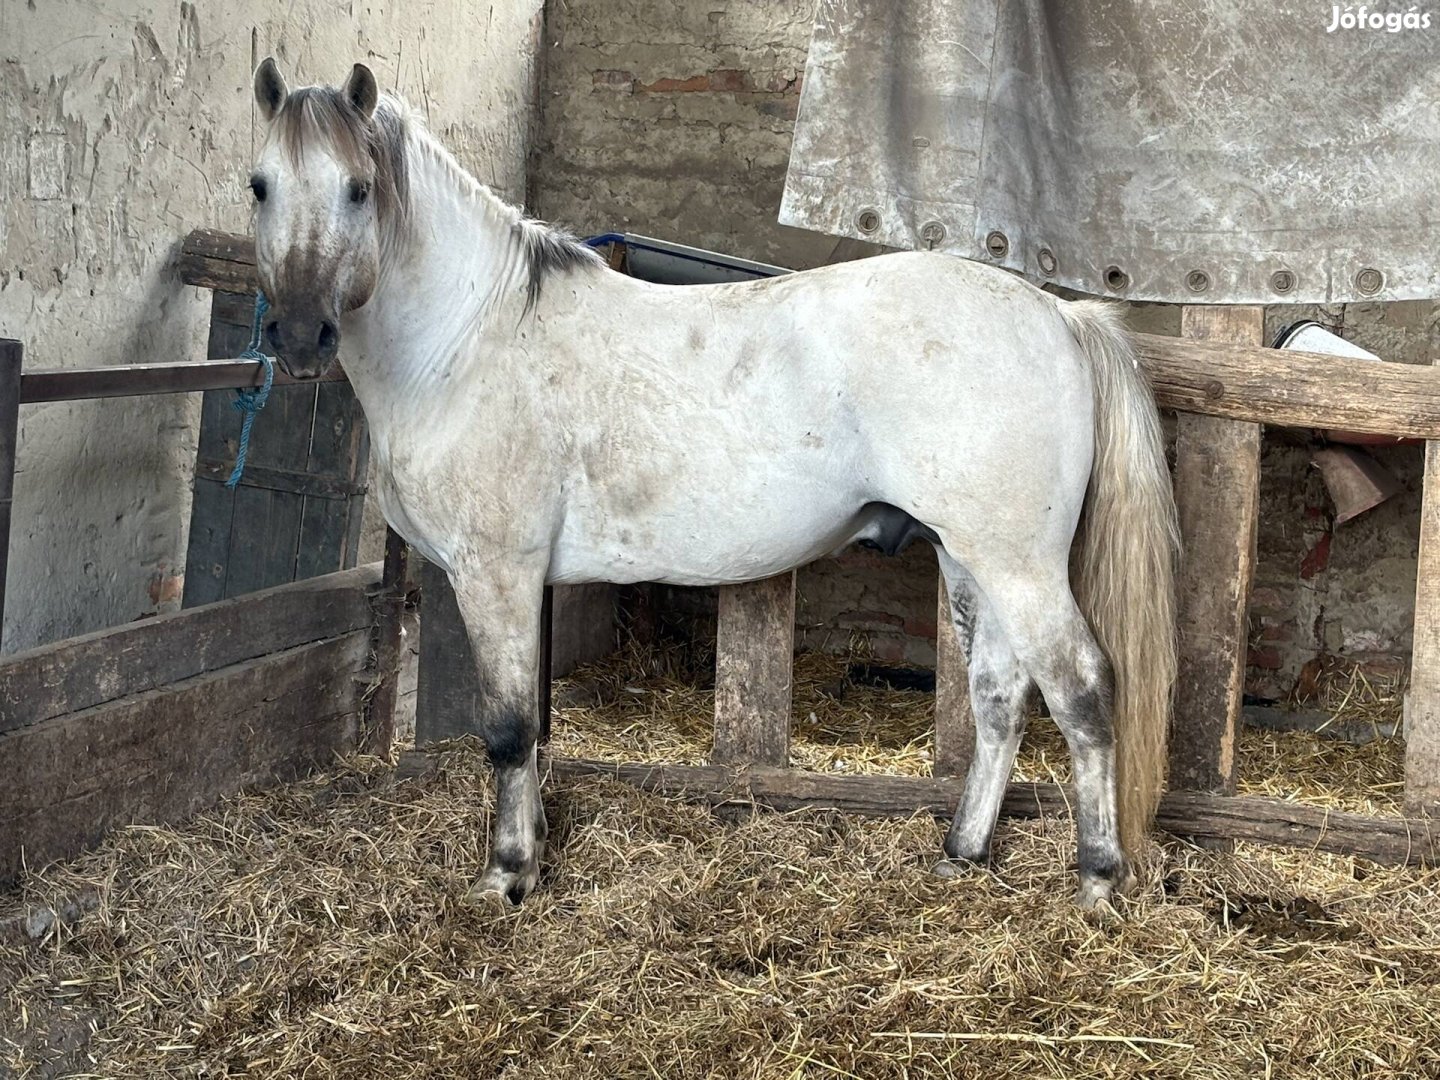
(83, 672)
(165, 754)
(311, 485)
(136, 380)
(1196, 815)
(1292, 389)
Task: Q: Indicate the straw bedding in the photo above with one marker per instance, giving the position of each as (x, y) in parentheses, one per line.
(316, 930)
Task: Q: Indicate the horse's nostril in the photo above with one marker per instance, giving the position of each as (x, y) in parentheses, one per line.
(272, 333)
(329, 337)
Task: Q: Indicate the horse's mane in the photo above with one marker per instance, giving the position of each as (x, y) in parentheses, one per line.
(381, 144)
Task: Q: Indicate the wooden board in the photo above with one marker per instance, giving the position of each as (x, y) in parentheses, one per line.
(1196, 815)
(448, 694)
(954, 722)
(82, 672)
(754, 671)
(1217, 492)
(297, 511)
(165, 754)
(1422, 713)
(11, 354)
(1234, 381)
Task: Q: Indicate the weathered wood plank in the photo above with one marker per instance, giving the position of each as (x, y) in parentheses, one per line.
(1217, 492)
(11, 355)
(82, 672)
(389, 606)
(754, 671)
(448, 694)
(167, 753)
(1422, 716)
(1196, 815)
(954, 722)
(221, 261)
(1250, 382)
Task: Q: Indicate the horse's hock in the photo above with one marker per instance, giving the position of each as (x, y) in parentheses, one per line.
(155, 720)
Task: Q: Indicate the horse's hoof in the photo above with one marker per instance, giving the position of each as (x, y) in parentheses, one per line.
(955, 868)
(1096, 889)
(503, 887)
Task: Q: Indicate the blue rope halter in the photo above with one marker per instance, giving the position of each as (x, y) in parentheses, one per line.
(252, 399)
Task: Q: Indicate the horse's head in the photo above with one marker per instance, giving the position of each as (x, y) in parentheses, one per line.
(331, 171)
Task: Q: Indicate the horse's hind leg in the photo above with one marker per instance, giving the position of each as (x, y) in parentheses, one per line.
(999, 694)
(1055, 645)
(502, 619)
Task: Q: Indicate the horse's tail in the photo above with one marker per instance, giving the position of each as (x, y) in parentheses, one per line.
(1129, 543)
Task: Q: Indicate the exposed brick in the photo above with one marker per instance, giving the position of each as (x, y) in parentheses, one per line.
(916, 626)
(1317, 558)
(613, 79)
(1265, 658)
(1278, 632)
(675, 86)
(729, 81)
(1266, 599)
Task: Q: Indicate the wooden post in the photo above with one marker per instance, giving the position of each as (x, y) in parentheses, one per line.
(954, 722)
(389, 606)
(10, 355)
(1422, 714)
(1217, 491)
(754, 672)
(547, 658)
(448, 694)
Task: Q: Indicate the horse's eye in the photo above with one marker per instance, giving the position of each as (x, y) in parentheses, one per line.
(359, 191)
(257, 187)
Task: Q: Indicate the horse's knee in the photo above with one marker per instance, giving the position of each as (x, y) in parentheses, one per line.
(510, 733)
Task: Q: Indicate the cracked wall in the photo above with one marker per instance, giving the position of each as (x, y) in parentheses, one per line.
(674, 120)
(124, 124)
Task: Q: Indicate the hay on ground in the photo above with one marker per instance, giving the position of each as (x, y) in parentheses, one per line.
(316, 931)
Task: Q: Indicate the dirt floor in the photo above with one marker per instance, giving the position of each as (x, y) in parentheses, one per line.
(317, 930)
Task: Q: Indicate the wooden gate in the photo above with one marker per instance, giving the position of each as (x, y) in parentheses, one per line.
(296, 513)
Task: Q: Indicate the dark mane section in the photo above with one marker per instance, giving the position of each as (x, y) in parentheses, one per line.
(548, 251)
(370, 148)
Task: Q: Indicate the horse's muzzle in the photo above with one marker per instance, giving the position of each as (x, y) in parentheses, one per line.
(304, 343)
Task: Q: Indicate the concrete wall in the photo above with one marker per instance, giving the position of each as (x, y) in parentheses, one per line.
(675, 119)
(123, 125)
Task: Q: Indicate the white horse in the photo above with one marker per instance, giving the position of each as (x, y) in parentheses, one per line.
(536, 418)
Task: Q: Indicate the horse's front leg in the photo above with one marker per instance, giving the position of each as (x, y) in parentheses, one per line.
(500, 605)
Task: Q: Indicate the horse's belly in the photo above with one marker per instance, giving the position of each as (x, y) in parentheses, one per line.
(721, 548)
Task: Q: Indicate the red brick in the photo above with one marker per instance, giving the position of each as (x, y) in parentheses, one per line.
(1316, 559)
(920, 627)
(1266, 599)
(729, 81)
(1264, 658)
(675, 86)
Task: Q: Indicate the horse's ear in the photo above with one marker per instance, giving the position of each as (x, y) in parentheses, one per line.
(270, 88)
(361, 91)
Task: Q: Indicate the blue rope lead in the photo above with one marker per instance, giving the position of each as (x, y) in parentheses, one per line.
(251, 399)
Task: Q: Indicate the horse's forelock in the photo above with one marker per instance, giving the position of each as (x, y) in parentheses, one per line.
(365, 146)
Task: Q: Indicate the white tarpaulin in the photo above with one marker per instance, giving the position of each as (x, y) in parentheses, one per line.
(1224, 151)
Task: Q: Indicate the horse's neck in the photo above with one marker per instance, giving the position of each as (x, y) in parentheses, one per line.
(455, 269)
